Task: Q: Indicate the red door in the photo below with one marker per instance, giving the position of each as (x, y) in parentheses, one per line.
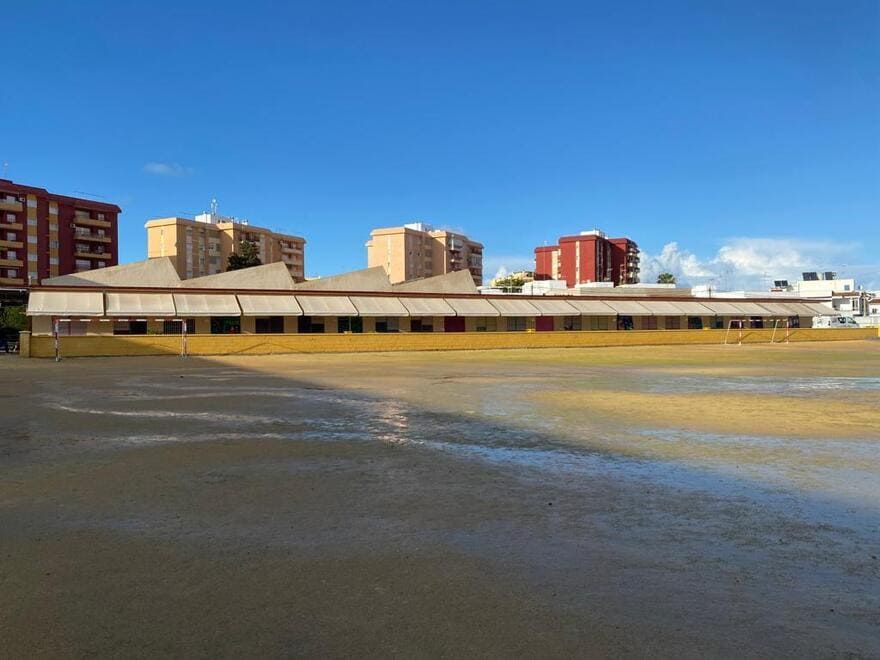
(544, 323)
(453, 324)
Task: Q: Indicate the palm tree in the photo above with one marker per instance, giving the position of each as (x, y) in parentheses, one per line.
(666, 278)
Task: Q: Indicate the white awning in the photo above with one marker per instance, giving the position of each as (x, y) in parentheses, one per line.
(514, 307)
(781, 309)
(661, 307)
(554, 307)
(206, 304)
(65, 303)
(140, 304)
(693, 308)
(818, 309)
(721, 308)
(427, 307)
(592, 308)
(628, 308)
(753, 309)
(472, 307)
(268, 305)
(379, 306)
(326, 306)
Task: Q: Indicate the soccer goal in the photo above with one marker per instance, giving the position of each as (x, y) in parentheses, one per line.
(738, 324)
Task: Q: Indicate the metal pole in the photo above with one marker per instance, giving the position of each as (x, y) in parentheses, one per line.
(183, 353)
(57, 346)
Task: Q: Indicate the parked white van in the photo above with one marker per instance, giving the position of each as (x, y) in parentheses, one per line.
(834, 322)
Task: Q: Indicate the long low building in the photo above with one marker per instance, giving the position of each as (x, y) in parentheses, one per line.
(74, 310)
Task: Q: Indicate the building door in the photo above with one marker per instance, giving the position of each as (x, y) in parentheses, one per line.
(544, 323)
(453, 324)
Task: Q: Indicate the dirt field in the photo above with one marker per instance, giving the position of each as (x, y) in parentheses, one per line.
(663, 501)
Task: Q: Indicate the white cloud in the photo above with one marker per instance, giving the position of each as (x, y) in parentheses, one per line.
(167, 169)
(752, 263)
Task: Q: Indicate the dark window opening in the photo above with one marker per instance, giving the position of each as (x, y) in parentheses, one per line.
(418, 325)
(349, 324)
(695, 323)
(756, 322)
(624, 322)
(176, 327)
(389, 324)
(516, 323)
(273, 325)
(225, 325)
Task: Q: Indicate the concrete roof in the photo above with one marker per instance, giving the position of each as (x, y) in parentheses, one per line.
(368, 279)
(459, 281)
(158, 272)
(272, 276)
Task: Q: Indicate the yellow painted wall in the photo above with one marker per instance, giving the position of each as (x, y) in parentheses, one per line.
(206, 344)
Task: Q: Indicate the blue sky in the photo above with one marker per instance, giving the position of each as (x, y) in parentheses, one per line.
(727, 139)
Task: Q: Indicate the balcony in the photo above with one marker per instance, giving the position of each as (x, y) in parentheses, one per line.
(7, 204)
(12, 263)
(92, 255)
(91, 222)
(11, 280)
(88, 236)
(11, 244)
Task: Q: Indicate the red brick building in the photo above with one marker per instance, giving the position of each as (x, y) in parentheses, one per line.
(588, 257)
(45, 235)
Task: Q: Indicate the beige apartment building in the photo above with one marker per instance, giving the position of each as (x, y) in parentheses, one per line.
(202, 246)
(415, 250)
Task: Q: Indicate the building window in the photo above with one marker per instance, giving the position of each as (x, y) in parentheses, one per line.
(12, 273)
(130, 327)
(695, 323)
(53, 261)
(11, 254)
(10, 236)
(673, 323)
(624, 322)
(755, 322)
(310, 325)
(80, 264)
(269, 325)
(176, 327)
(421, 325)
(794, 322)
(516, 323)
(571, 323)
(388, 324)
(225, 325)
(349, 324)
(649, 323)
(32, 240)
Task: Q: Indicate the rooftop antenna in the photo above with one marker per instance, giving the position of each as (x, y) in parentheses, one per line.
(214, 207)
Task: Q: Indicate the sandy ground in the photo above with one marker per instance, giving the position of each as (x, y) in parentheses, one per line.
(676, 501)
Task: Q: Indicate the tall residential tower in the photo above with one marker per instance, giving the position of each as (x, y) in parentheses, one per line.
(202, 246)
(416, 250)
(589, 257)
(46, 235)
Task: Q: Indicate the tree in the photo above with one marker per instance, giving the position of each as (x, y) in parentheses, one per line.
(13, 318)
(246, 257)
(666, 278)
(509, 282)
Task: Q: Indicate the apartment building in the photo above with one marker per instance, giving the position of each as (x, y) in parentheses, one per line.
(416, 250)
(45, 235)
(202, 246)
(588, 257)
